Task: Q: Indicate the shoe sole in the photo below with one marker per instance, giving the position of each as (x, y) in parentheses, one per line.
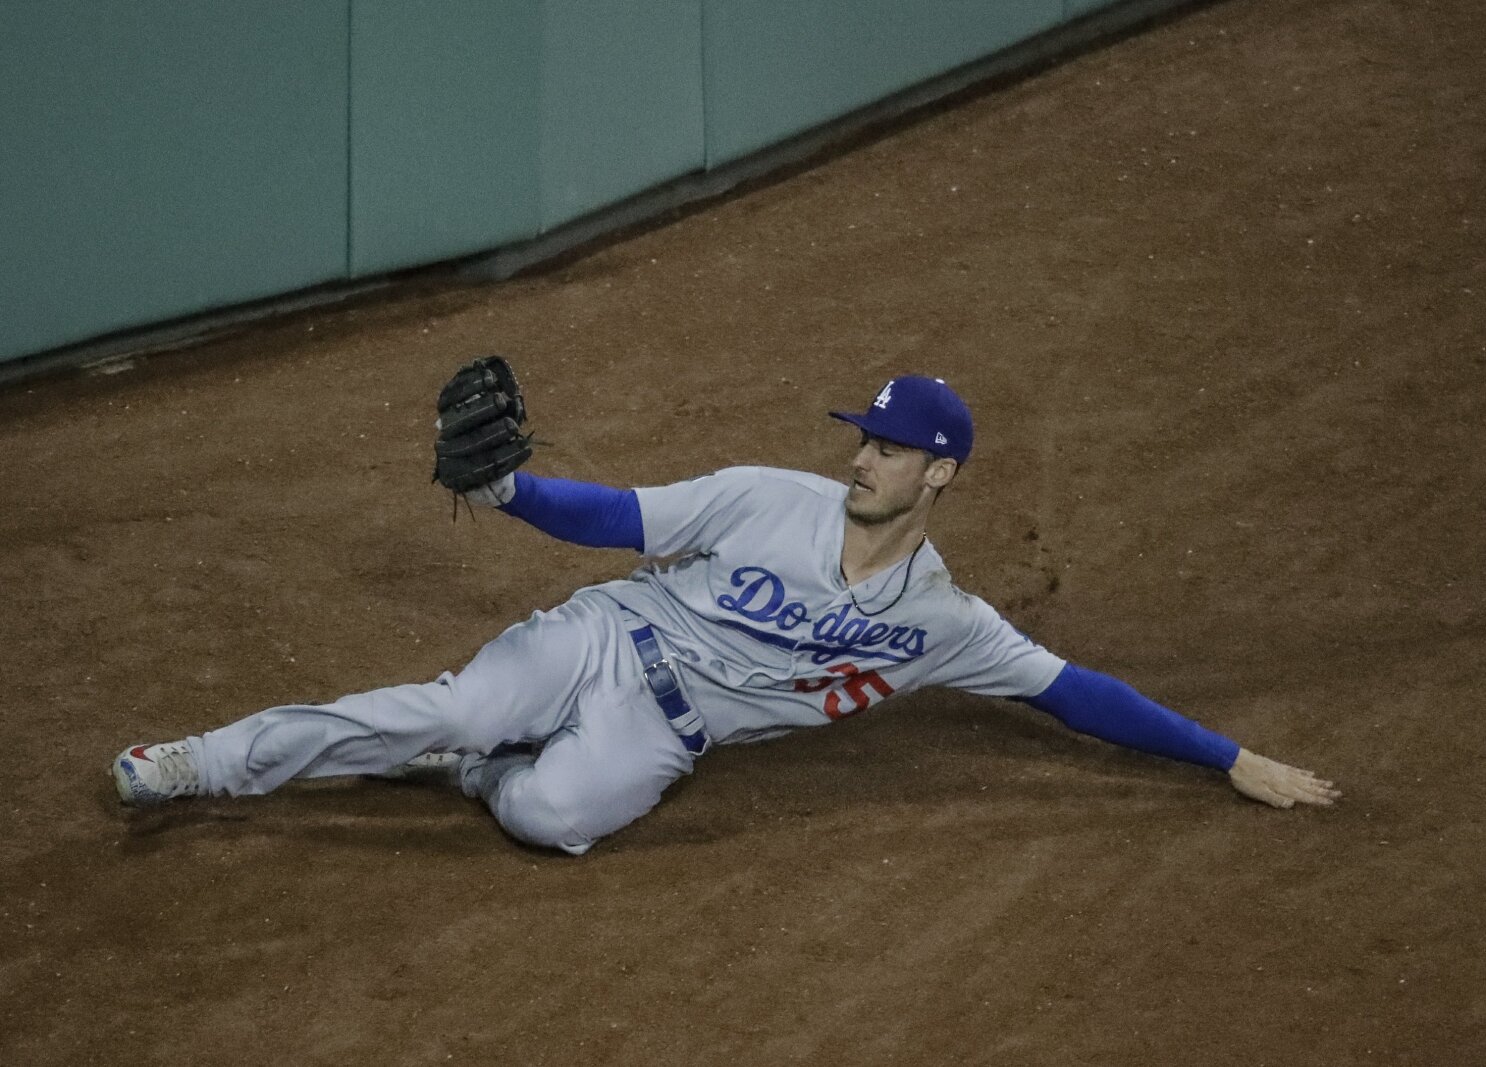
(433, 768)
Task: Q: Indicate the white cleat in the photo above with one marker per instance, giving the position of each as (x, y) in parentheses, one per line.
(146, 775)
(431, 768)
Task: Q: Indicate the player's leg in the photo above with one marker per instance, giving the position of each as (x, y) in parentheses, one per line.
(605, 769)
(518, 687)
(362, 733)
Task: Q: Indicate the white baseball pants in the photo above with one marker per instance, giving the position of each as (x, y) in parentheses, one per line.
(568, 678)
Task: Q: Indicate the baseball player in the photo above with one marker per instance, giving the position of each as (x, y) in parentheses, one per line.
(774, 600)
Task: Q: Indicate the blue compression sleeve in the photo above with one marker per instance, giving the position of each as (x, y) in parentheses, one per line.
(581, 512)
(1107, 708)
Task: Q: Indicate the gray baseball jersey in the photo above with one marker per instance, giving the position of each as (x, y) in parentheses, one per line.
(753, 604)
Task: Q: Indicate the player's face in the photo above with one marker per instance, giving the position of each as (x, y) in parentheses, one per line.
(888, 480)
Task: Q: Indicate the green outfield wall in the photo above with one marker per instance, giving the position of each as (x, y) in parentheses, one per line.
(160, 159)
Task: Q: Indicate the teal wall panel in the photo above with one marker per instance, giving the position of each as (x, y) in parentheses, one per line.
(777, 67)
(621, 101)
(445, 129)
(161, 158)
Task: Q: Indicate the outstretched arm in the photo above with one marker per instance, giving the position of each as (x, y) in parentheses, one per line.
(580, 512)
(1107, 708)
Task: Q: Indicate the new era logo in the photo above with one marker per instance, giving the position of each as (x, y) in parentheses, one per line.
(940, 439)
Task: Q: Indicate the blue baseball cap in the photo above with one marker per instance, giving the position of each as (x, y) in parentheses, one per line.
(920, 413)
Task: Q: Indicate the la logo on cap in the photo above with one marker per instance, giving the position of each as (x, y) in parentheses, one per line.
(884, 397)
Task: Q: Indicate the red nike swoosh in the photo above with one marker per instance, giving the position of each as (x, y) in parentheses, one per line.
(138, 753)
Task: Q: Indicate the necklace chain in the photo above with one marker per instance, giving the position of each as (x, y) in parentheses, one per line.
(908, 570)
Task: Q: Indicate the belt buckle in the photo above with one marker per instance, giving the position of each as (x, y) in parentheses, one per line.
(660, 676)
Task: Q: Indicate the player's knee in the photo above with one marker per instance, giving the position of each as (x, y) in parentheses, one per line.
(527, 812)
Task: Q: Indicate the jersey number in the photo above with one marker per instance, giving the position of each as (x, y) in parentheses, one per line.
(854, 683)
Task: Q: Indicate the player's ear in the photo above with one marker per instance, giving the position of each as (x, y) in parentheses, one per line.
(940, 473)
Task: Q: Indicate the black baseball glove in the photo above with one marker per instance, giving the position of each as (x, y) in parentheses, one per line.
(480, 415)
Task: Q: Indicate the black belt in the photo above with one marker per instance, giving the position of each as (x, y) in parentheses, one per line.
(684, 719)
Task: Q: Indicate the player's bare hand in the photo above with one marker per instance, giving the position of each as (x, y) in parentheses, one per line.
(1278, 784)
